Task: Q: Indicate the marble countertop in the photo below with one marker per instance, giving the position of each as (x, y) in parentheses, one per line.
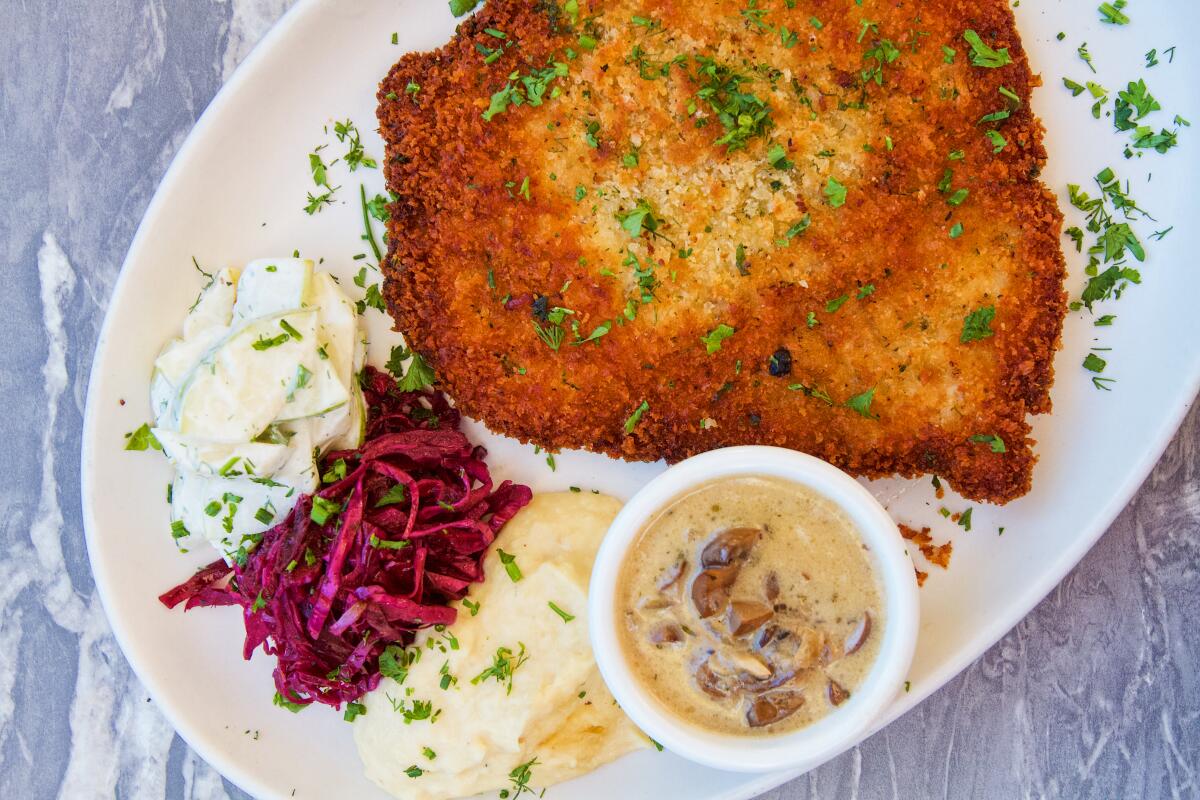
(1094, 694)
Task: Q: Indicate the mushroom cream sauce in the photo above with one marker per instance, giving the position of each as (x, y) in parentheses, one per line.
(750, 606)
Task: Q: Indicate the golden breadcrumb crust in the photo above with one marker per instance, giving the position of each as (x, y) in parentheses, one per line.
(499, 222)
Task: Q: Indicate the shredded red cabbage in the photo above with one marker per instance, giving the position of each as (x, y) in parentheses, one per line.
(327, 599)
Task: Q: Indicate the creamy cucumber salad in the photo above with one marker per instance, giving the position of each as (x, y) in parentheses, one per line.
(260, 384)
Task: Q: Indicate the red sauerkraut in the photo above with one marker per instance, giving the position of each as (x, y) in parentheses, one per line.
(398, 531)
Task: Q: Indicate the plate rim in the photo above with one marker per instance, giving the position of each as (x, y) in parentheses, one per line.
(1029, 596)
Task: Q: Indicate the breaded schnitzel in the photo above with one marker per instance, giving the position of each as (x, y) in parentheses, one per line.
(654, 228)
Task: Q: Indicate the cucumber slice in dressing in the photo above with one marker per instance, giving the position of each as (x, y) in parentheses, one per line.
(243, 385)
(272, 286)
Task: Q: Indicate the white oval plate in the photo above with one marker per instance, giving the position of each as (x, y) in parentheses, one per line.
(235, 192)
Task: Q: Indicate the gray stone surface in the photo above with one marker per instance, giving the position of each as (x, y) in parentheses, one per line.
(1095, 694)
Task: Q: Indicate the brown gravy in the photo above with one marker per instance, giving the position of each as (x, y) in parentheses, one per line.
(750, 606)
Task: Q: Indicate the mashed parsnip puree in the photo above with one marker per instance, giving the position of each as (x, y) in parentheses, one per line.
(750, 606)
(509, 695)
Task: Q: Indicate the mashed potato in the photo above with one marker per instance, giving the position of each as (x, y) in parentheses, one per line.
(549, 703)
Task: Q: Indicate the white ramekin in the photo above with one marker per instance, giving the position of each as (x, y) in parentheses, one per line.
(826, 737)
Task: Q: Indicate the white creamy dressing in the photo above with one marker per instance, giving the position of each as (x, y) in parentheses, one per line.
(262, 381)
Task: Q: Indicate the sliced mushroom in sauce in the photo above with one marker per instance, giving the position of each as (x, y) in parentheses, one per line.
(671, 575)
(739, 604)
(771, 587)
(836, 693)
(666, 633)
(769, 708)
(710, 590)
(747, 616)
(729, 547)
(859, 635)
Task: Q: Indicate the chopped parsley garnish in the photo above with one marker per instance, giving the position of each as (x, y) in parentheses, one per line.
(179, 530)
(283, 702)
(550, 334)
(882, 54)
(520, 777)
(1113, 240)
(264, 343)
(777, 157)
(142, 439)
(984, 56)
(836, 303)
(510, 566)
(1094, 363)
(956, 230)
(420, 710)
(739, 260)
(355, 157)
(336, 471)
(742, 114)
(597, 332)
(395, 661)
(373, 298)
(323, 509)
(461, 8)
(353, 711)
(812, 391)
(317, 166)
(835, 193)
(504, 664)
(636, 416)
(290, 330)
(797, 229)
(565, 616)
(590, 129)
(531, 88)
(1112, 13)
(417, 377)
(861, 403)
(1085, 56)
(393, 496)
(640, 218)
(414, 771)
(993, 441)
(369, 236)
(713, 339)
(978, 324)
(387, 544)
